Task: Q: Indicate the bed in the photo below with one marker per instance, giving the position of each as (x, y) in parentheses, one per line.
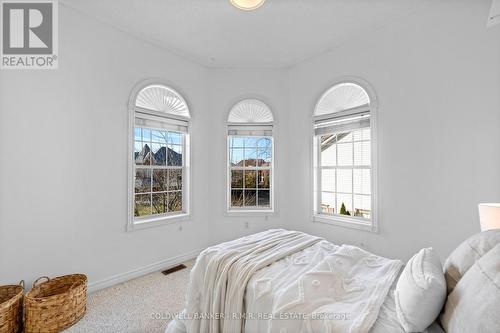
(286, 281)
(268, 281)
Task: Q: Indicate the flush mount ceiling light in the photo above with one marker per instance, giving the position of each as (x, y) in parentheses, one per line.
(247, 4)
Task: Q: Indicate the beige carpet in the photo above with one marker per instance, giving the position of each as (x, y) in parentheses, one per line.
(133, 306)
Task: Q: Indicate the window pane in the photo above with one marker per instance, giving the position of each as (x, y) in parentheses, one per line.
(250, 157)
(237, 198)
(159, 136)
(248, 152)
(237, 179)
(328, 150)
(159, 203)
(344, 154)
(174, 180)
(236, 157)
(251, 142)
(362, 152)
(250, 197)
(144, 154)
(362, 206)
(159, 180)
(344, 137)
(362, 181)
(175, 201)
(250, 179)
(137, 151)
(174, 138)
(236, 142)
(146, 135)
(344, 202)
(362, 134)
(174, 155)
(159, 154)
(157, 190)
(264, 143)
(264, 157)
(327, 203)
(328, 180)
(263, 198)
(142, 181)
(264, 179)
(137, 134)
(142, 205)
(344, 180)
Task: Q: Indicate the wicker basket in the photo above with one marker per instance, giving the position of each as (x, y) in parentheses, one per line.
(55, 304)
(11, 308)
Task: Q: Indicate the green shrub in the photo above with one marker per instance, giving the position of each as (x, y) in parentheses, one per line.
(343, 210)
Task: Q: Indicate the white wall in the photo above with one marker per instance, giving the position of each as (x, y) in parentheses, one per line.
(63, 176)
(437, 78)
(63, 141)
(63, 172)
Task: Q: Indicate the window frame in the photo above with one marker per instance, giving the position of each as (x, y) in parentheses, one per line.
(339, 220)
(137, 223)
(249, 209)
(251, 129)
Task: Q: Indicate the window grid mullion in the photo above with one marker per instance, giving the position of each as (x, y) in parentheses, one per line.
(256, 178)
(168, 168)
(246, 169)
(336, 168)
(366, 167)
(244, 174)
(337, 209)
(352, 176)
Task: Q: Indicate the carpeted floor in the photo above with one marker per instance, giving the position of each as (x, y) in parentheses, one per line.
(135, 305)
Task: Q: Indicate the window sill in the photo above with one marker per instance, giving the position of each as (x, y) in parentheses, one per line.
(251, 212)
(346, 222)
(157, 221)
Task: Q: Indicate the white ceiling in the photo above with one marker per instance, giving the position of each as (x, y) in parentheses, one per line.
(278, 34)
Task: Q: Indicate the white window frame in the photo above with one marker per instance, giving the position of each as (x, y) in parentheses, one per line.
(137, 223)
(251, 129)
(339, 220)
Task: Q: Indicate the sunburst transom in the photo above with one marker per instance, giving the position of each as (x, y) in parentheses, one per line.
(162, 99)
(342, 97)
(250, 111)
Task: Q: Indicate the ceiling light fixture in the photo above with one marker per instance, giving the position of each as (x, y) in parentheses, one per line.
(247, 4)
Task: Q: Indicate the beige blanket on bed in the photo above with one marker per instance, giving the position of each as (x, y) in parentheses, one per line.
(218, 280)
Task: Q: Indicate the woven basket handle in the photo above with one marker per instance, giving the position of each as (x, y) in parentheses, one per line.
(21, 283)
(41, 277)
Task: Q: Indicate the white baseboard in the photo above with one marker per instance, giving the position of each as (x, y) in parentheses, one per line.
(154, 267)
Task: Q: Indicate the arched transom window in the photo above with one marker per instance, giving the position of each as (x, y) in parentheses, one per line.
(343, 147)
(160, 155)
(250, 146)
(163, 99)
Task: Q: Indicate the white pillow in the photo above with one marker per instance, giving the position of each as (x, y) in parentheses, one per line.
(420, 292)
(474, 304)
(466, 254)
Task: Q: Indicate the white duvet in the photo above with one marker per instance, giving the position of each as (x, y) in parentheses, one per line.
(285, 281)
(266, 286)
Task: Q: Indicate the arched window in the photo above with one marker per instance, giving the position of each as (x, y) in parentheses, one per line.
(344, 132)
(250, 154)
(159, 156)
